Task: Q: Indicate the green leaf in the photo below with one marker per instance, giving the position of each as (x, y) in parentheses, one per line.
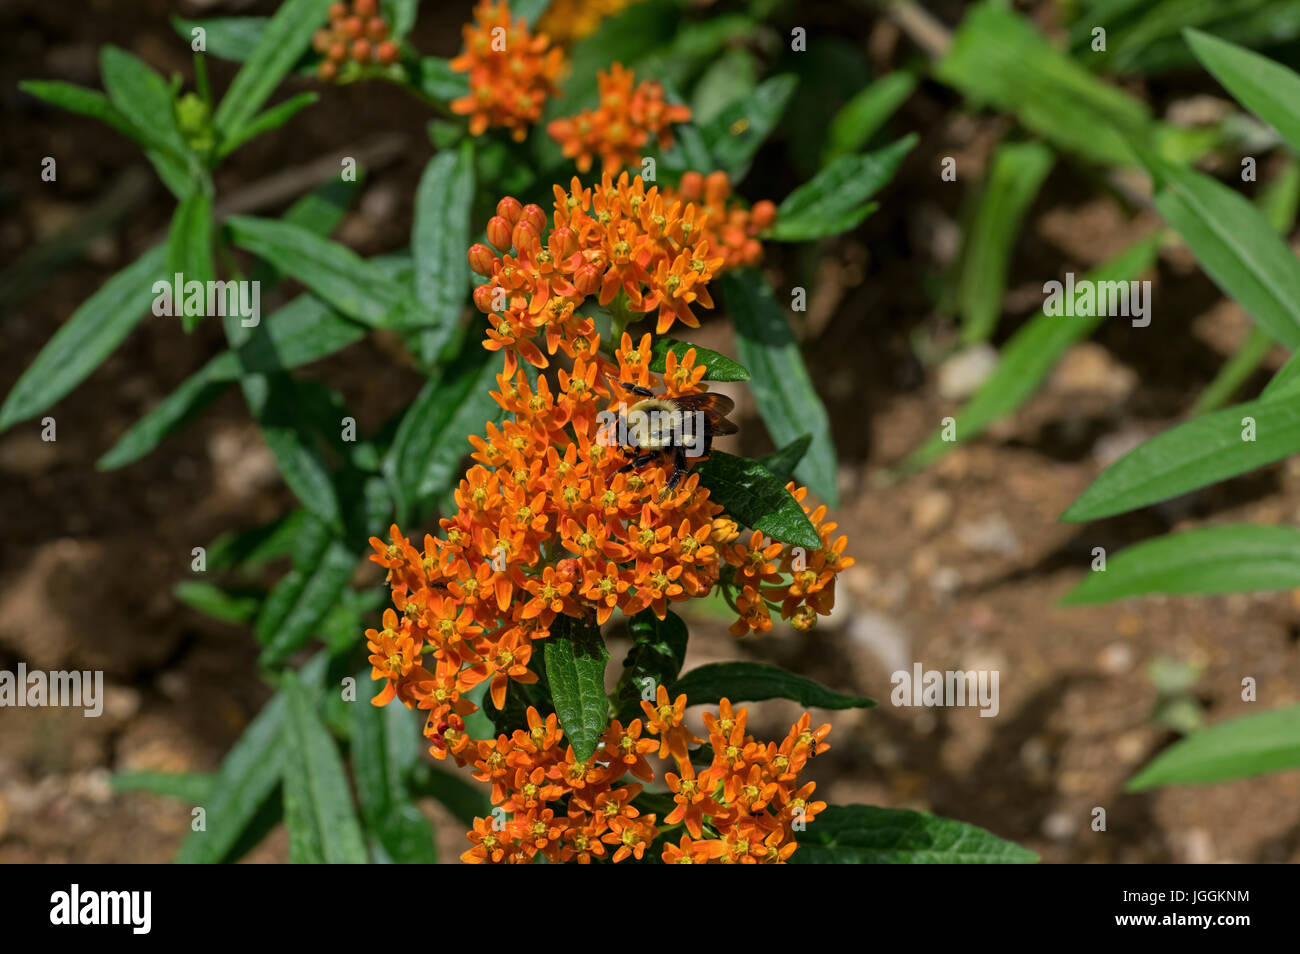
(296, 607)
(318, 812)
(783, 462)
(1233, 559)
(219, 603)
(246, 779)
(83, 102)
(1015, 174)
(781, 385)
(301, 332)
(400, 15)
(830, 202)
(435, 78)
(1238, 748)
(657, 654)
(720, 367)
(754, 682)
(253, 548)
(384, 750)
(273, 118)
(1029, 355)
(430, 440)
(1194, 454)
(862, 116)
(1234, 372)
(94, 330)
(530, 10)
(143, 97)
(864, 834)
(1268, 89)
(734, 135)
(440, 238)
(192, 787)
(1236, 246)
(284, 39)
(334, 273)
(189, 250)
(575, 658)
(228, 38)
(752, 495)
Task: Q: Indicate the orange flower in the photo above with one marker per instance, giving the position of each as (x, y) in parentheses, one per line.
(511, 71)
(619, 129)
(570, 20)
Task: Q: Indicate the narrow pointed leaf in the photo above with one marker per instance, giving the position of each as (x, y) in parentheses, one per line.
(864, 834)
(1238, 748)
(575, 658)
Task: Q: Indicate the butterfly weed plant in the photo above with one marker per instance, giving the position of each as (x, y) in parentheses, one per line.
(519, 512)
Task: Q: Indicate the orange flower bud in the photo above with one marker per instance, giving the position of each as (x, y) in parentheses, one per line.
(327, 70)
(587, 279)
(338, 52)
(716, 187)
(692, 185)
(388, 53)
(524, 235)
(338, 11)
(498, 232)
(763, 214)
(535, 217)
(481, 258)
(321, 40)
(361, 51)
(510, 209)
(376, 29)
(351, 28)
(563, 242)
(366, 8)
(483, 299)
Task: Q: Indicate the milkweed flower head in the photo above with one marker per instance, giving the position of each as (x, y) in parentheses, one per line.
(628, 118)
(356, 34)
(512, 71)
(636, 249)
(568, 20)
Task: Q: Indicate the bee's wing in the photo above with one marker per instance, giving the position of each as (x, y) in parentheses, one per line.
(724, 426)
(711, 402)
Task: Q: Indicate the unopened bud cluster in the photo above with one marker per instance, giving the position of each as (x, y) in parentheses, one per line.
(358, 34)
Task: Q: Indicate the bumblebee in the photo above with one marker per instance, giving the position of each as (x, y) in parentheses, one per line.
(656, 427)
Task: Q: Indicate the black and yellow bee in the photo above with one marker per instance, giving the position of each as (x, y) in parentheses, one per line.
(656, 427)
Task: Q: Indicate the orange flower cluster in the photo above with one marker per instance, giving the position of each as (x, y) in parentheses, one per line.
(359, 35)
(511, 71)
(628, 116)
(742, 809)
(638, 249)
(568, 20)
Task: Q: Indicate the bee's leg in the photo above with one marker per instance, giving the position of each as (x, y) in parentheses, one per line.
(636, 389)
(679, 468)
(639, 461)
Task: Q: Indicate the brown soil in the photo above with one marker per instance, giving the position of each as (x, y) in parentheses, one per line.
(958, 568)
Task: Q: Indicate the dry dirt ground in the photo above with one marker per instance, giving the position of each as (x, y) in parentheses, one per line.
(957, 568)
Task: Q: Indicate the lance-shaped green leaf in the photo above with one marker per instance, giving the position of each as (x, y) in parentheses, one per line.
(1238, 748)
(1015, 174)
(575, 658)
(754, 682)
(143, 97)
(781, 385)
(1194, 454)
(430, 440)
(1029, 355)
(1235, 559)
(192, 787)
(400, 15)
(435, 77)
(318, 812)
(751, 494)
(439, 239)
(94, 330)
(384, 750)
(860, 118)
(1236, 246)
(864, 834)
(720, 367)
(245, 781)
(734, 135)
(273, 118)
(833, 200)
(256, 546)
(228, 38)
(656, 657)
(229, 606)
(1267, 88)
(189, 252)
(322, 566)
(284, 39)
(336, 274)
